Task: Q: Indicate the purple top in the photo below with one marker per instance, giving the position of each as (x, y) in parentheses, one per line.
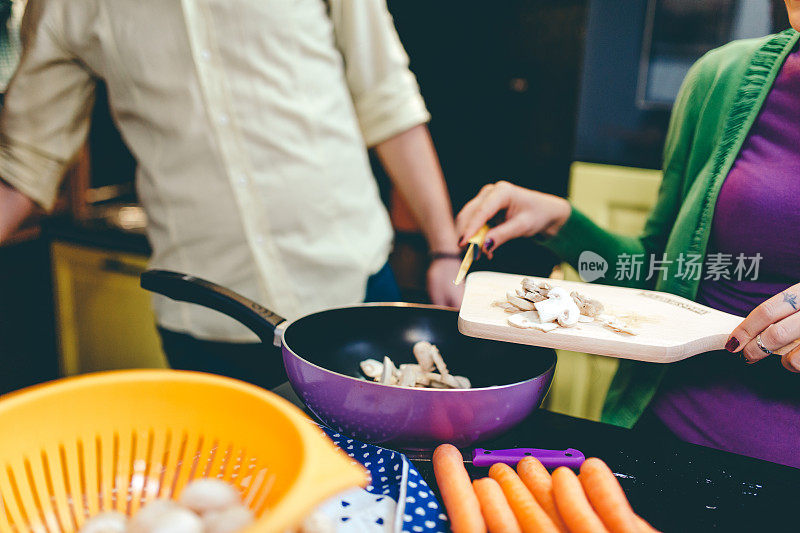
(716, 399)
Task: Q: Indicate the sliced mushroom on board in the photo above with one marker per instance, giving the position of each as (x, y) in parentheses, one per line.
(539, 305)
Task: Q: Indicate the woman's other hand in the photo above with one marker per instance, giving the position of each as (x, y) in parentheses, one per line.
(777, 321)
(527, 213)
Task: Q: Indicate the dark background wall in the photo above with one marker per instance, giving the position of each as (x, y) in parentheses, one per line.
(612, 127)
(501, 82)
(27, 332)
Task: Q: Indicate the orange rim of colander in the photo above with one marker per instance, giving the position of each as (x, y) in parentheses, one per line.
(325, 470)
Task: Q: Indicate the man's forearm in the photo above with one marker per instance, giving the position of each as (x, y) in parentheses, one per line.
(15, 207)
(411, 162)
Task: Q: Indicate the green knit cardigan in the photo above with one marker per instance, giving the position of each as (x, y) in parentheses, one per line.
(716, 107)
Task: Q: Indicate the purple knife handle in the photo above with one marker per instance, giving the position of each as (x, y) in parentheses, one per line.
(550, 458)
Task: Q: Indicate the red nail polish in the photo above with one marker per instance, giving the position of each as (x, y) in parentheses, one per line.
(488, 244)
(732, 344)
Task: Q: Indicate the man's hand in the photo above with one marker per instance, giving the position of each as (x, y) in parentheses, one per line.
(410, 160)
(15, 207)
(441, 274)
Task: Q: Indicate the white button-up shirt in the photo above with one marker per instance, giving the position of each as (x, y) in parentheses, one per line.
(249, 120)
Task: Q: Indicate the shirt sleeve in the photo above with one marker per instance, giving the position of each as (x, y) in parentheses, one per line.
(385, 92)
(47, 109)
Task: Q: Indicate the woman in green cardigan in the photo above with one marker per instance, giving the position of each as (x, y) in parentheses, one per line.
(730, 194)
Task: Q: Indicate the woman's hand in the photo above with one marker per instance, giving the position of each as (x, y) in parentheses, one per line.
(777, 321)
(527, 213)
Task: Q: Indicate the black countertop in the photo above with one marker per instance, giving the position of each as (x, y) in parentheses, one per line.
(675, 486)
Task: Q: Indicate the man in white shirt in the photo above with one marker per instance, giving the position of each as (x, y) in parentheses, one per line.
(250, 121)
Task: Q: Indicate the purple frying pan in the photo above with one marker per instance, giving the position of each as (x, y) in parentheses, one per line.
(322, 352)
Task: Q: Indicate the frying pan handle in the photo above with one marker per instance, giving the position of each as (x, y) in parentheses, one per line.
(185, 288)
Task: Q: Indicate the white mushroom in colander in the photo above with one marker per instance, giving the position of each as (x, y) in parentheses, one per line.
(317, 522)
(165, 516)
(204, 495)
(230, 520)
(206, 505)
(108, 522)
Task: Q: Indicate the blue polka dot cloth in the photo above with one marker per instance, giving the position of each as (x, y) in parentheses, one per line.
(397, 498)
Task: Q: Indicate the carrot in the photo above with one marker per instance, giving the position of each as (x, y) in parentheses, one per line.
(607, 497)
(496, 511)
(531, 517)
(572, 504)
(538, 480)
(644, 525)
(455, 487)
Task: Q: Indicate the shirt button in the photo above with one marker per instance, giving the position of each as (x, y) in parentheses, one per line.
(260, 239)
(205, 55)
(223, 119)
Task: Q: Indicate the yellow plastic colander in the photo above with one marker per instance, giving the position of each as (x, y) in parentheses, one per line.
(114, 441)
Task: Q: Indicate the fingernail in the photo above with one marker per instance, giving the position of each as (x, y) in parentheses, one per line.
(795, 362)
(488, 244)
(732, 344)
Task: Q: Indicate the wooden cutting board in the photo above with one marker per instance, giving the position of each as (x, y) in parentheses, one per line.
(669, 328)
